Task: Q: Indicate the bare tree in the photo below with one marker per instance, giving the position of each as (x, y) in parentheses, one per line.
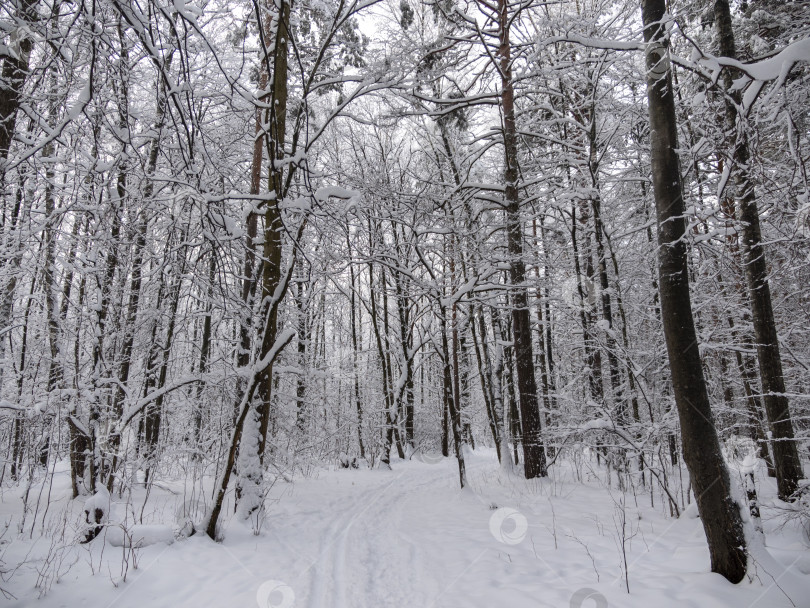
(719, 512)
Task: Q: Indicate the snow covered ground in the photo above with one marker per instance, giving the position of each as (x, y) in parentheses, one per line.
(406, 537)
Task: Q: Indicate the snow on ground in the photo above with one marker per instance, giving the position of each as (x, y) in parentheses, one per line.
(406, 537)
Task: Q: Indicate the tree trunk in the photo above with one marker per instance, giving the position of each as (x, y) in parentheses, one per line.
(785, 454)
(14, 75)
(19, 418)
(479, 335)
(249, 268)
(301, 303)
(388, 429)
(153, 414)
(205, 352)
(454, 413)
(355, 313)
(251, 455)
(534, 455)
(719, 513)
(392, 430)
(405, 397)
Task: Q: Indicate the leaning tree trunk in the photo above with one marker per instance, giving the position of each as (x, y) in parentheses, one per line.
(534, 455)
(785, 454)
(719, 513)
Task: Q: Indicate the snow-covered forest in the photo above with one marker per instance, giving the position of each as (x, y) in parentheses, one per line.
(354, 303)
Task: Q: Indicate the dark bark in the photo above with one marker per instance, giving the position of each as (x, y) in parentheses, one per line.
(276, 65)
(392, 431)
(19, 419)
(205, 351)
(593, 359)
(607, 313)
(479, 336)
(210, 524)
(14, 74)
(250, 266)
(542, 336)
(153, 415)
(502, 334)
(355, 313)
(454, 413)
(301, 302)
(785, 453)
(388, 429)
(405, 398)
(719, 513)
(534, 455)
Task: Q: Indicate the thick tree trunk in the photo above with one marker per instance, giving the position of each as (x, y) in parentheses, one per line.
(14, 75)
(246, 407)
(392, 430)
(249, 267)
(388, 431)
(534, 455)
(271, 278)
(785, 454)
(405, 396)
(719, 513)
(254, 439)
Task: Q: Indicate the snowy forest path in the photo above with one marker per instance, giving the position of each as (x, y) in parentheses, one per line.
(366, 545)
(410, 537)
